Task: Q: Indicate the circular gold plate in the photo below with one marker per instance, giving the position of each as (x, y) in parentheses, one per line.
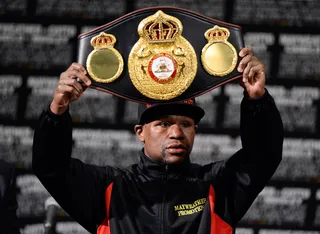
(105, 65)
(219, 58)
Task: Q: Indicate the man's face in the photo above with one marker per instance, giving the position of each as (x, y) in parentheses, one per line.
(168, 139)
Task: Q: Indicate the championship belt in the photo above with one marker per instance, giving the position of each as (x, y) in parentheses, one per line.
(161, 54)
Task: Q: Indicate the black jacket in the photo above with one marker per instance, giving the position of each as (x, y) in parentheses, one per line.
(150, 197)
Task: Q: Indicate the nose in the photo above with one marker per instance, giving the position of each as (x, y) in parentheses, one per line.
(175, 132)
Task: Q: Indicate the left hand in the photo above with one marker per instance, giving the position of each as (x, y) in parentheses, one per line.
(253, 76)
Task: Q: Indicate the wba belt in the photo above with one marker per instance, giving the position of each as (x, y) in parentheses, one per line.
(161, 54)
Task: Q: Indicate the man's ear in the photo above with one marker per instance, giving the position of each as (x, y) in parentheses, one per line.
(195, 127)
(139, 132)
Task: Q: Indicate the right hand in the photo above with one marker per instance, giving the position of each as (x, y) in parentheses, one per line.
(68, 88)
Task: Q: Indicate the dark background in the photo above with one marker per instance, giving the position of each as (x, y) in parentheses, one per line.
(38, 41)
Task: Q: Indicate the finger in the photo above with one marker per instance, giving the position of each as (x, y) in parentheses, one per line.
(245, 84)
(247, 69)
(245, 51)
(251, 70)
(75, 84)
(75, 74)
(83, 79)
(77, 66)
(254, 71)
(244, 62)
(67, 90)
(81, 73)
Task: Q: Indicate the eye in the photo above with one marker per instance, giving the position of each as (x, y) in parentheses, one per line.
(164, 124)
(185, 124)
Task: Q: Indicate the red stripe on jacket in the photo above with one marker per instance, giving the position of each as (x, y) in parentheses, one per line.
(218, 226)
(104, 228)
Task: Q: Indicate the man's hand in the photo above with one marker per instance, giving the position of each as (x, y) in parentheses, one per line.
(253, 77)
(68, 88)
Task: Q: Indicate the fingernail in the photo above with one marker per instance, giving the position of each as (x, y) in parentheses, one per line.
(244, 80)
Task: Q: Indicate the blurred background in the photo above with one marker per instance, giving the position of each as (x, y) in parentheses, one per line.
(38, 41)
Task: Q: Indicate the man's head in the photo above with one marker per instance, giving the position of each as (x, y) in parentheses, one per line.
(168, 130)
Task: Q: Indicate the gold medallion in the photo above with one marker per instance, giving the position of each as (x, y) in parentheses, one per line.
(162, 64)
(104, 63)
(218, 56)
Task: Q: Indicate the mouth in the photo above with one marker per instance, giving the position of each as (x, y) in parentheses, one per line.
(177, 148)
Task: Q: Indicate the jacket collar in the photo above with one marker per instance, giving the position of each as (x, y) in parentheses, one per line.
(158, 169)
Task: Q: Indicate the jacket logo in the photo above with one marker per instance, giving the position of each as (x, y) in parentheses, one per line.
(188, 209)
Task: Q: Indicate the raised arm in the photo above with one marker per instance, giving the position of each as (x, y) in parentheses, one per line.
(261, 126)
(247, 172)
(77, 187)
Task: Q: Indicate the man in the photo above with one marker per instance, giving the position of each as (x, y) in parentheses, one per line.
(164, 192)
(8, 201)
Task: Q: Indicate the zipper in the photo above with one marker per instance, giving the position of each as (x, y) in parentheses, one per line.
(163, 214)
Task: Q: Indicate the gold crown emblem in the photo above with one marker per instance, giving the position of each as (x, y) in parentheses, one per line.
(217, 34)
(103, 40)
(160, 27)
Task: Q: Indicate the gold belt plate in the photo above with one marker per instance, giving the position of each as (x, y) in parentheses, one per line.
(104, 63)
(162, 64)
(218, 57)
